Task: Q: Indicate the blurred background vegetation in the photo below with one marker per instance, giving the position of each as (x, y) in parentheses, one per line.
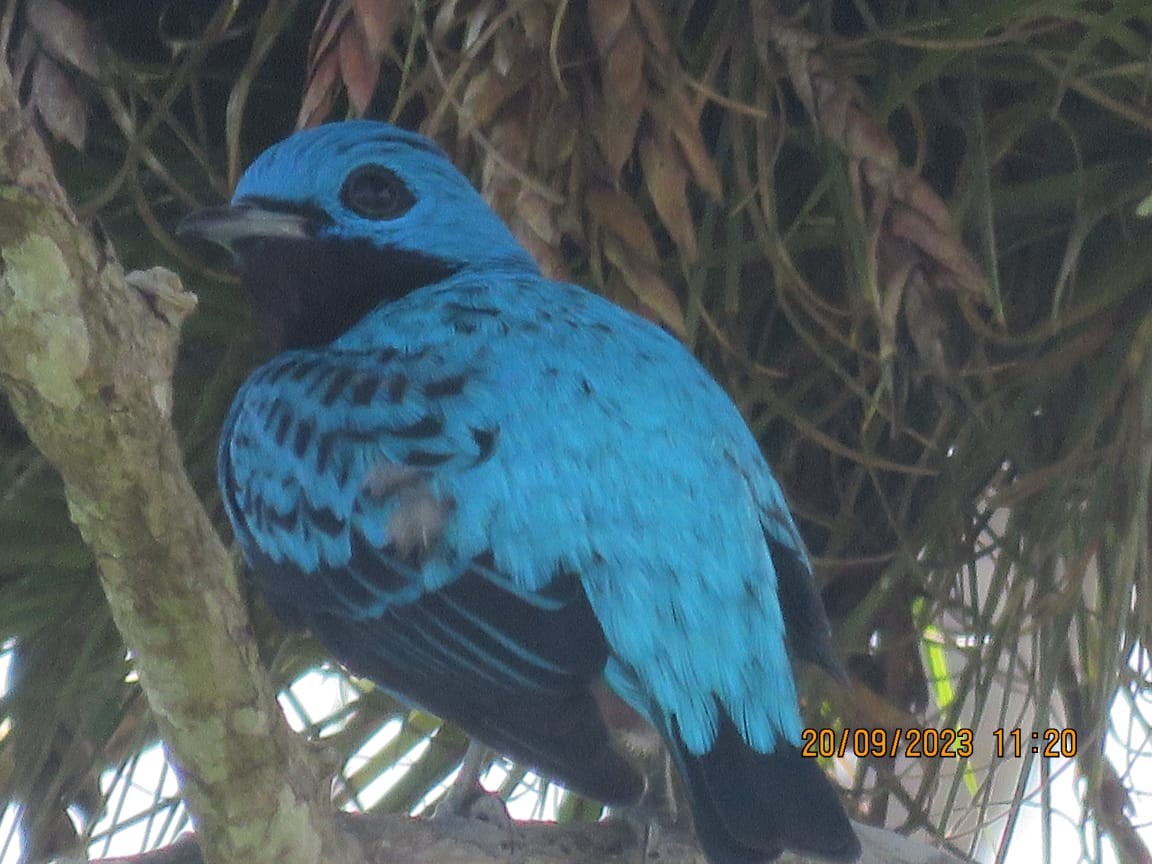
(911, 239)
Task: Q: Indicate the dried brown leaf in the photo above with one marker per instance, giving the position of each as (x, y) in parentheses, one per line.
(322, 78)
(654, 23)
(348, 42)
(536, 25)
(648, 286)
(556, 136)
(860, 134)
(618, 216)
(319, 92)
(533, 219)
(511, 56)
(547, 256)
(359, 68)
(622, 68)
(485, 94)
(615, 133)
(64, 33)
(55, 98)
(666, 179)
(918, 254)
(700, 161)
(944, 247)
(925, 200)
(499, 189)
(508, 142)
(896, 262)
(607, 18)
(530, 214)
(477, 20)
(939, 344)
(538, 213)
(625, 93)
(512, 139)
(377, 20)
(685, 121)
(334, 17)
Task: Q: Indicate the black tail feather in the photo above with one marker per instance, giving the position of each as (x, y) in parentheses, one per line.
(748, 806)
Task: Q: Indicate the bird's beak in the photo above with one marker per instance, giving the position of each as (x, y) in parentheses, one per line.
(234, 226)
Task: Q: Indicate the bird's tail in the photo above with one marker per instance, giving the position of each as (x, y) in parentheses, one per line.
(748, 806)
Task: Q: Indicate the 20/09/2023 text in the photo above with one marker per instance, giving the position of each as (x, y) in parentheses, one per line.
(927, 743)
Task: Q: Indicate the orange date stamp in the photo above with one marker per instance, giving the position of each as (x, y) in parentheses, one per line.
(916, 742)
(913, 742)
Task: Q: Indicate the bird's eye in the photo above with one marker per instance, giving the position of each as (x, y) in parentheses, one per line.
(375, 192)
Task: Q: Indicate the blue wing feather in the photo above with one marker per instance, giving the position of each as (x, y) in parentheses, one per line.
(460, 381)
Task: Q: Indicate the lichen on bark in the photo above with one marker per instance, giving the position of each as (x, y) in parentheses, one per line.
(44, 305)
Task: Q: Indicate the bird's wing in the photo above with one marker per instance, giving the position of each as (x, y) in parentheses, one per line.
(337, 469)
(332, 464)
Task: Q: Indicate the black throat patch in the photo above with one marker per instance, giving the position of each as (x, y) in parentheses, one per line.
(309, 292)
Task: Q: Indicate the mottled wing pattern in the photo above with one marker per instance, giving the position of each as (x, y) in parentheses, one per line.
(330, 458)
(337, 469)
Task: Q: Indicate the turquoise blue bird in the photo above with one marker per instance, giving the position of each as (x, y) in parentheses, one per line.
(494, 494)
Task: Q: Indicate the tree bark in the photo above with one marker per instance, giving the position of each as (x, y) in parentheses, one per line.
(397, 839)
(86, 361)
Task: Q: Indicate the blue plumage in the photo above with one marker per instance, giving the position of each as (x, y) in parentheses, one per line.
(488, 491)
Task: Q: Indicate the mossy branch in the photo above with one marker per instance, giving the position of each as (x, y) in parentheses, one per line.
(86, 360)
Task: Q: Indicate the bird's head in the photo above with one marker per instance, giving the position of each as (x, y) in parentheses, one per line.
(333, 221)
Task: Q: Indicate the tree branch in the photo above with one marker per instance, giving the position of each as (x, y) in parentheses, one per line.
(398, 839)
(86, 361)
